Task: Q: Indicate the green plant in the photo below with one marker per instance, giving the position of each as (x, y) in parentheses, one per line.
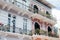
(48, 15)
(43, 32)
(49, 33)
(37, 31)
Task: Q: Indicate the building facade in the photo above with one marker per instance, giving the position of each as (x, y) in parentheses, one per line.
(26, 17)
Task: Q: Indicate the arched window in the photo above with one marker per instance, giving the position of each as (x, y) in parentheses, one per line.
(49, 30)
(35, 9)
(37, 28)
(37, 25)
(47, 13)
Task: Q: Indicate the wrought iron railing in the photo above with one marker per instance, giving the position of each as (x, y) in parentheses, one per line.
(17, 30)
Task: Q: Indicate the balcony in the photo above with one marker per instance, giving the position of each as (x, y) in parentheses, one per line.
(45, 33)
(49, 16)
(29, 9)
(6, 28)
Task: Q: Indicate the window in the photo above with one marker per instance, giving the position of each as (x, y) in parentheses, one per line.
(35, 9)
(14, 23)
(9, 21)
(9, 15)
(13, 1)
(25, 26)
(1, 26)
(47, 13)
(14, 17)
(49, 31)
(20, 30)
(14, 26)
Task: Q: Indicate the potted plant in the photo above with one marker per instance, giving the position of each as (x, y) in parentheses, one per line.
(37, 31)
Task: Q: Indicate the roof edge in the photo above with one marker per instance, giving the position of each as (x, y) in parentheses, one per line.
(46, 3)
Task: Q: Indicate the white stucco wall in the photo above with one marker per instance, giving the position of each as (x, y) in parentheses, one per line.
(23, 4)
(19, 20)
(3, 17)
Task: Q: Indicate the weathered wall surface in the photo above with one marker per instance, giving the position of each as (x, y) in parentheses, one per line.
(41, 37)
(15, 36)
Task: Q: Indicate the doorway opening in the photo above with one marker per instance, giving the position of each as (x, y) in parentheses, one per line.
(37, 28)
(49, 30)
(35, 9)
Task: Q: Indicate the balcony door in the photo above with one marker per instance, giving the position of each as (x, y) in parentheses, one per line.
(37, 28)
(35, 9)
(49, 30)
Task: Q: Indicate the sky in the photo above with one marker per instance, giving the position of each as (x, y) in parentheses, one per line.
(56, 3)
(56, 11)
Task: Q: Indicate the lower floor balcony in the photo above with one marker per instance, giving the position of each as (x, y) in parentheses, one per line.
(28, 32)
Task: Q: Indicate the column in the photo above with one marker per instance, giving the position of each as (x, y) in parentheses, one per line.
(46, 27)
(33, 31)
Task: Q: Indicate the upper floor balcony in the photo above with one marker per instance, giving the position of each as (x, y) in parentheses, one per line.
(30, 9)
